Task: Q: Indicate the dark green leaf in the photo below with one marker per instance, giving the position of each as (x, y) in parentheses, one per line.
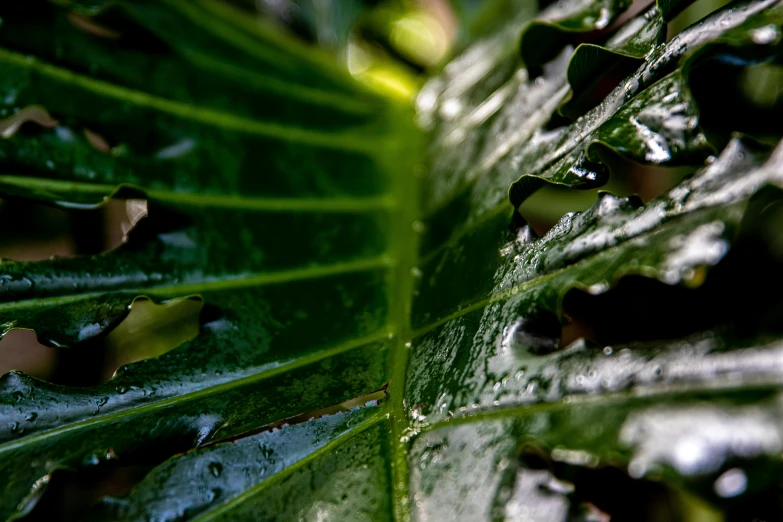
(333, 461)
(222, 191)
(288, 198)
(592, 67)
(475, 343)
(640, 435)
(543, 39)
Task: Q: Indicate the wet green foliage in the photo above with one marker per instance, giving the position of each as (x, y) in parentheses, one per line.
(625, 364)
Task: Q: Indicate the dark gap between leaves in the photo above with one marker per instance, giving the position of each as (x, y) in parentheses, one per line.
(357, 402)
(599, 88)
(148, 330)
(756, 89)
(545, 207)
(646, 181)
(42, 231)
(69, 494)
(644, 309)
(141, 331)
(605, 493)
(608, 491)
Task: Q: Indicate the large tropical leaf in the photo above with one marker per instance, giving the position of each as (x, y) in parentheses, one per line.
(339, 253)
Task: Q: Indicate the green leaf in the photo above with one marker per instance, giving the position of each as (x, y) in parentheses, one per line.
(342, 454)
(222, 189)
(640, 434)
(476, 344)
(486, 140)
(573, 163)
(328, 23)
(592, 66)
(338, 253)
(543, 39)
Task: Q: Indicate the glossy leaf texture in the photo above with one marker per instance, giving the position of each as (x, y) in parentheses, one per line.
(344, 454)
(273, 194)
(676, 386)
(338, 253)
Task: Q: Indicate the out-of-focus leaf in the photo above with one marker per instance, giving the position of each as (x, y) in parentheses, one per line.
(640, 436)
(482, 18)
(328, 23)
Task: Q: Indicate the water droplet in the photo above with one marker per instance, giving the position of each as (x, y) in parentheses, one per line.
(30, 417)
(215, 469)
(450, 108)
(267, 452)
(603, 18)
(91, 460)
(732, 483)
(99, 404)
(765, 35)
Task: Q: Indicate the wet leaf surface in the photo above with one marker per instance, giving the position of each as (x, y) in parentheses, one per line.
(338, 253)
(242, 475)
